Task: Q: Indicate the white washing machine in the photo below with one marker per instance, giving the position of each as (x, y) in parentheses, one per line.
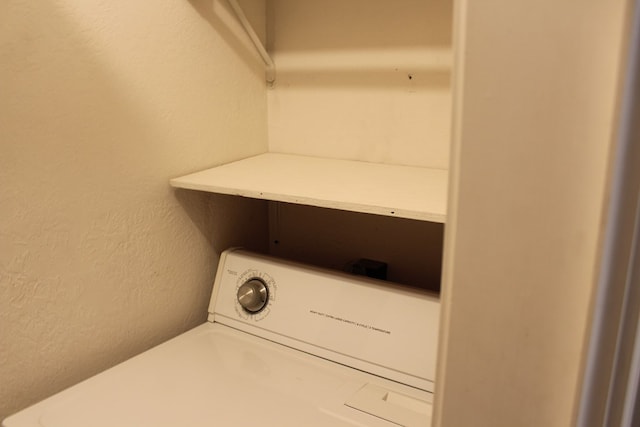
(285, 345)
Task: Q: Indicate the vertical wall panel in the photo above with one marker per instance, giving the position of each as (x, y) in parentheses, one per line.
(533, 127)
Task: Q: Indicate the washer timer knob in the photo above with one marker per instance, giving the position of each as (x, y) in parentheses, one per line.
(253, 295)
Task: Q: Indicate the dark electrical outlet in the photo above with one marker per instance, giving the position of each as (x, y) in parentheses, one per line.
(369, 267)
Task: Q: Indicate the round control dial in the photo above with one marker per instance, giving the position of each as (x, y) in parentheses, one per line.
(253, 295)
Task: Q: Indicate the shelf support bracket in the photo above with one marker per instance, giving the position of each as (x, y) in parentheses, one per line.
(271, 68)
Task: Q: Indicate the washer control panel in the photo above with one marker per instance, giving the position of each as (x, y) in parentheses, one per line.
(349, 319)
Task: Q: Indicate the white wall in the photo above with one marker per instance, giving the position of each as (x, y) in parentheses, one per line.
(361, 79)
(533, 128)
(101, 102)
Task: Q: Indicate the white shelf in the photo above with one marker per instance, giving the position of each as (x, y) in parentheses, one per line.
(398, 191)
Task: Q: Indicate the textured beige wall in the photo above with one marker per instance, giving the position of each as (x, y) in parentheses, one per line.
(101, 102)
(532, 137)
(362, 79)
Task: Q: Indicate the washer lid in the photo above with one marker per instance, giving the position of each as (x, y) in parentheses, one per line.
(213, 375)
(380, 327)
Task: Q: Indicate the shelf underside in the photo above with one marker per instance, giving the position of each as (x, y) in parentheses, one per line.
(381, 189)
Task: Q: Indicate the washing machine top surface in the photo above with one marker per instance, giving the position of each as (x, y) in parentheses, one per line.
(322, 349)
(215, 375)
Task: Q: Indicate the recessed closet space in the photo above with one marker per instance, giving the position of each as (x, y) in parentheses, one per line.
(336, 239)
(358, 119)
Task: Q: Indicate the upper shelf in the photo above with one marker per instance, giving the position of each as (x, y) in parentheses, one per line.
(398, 191)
